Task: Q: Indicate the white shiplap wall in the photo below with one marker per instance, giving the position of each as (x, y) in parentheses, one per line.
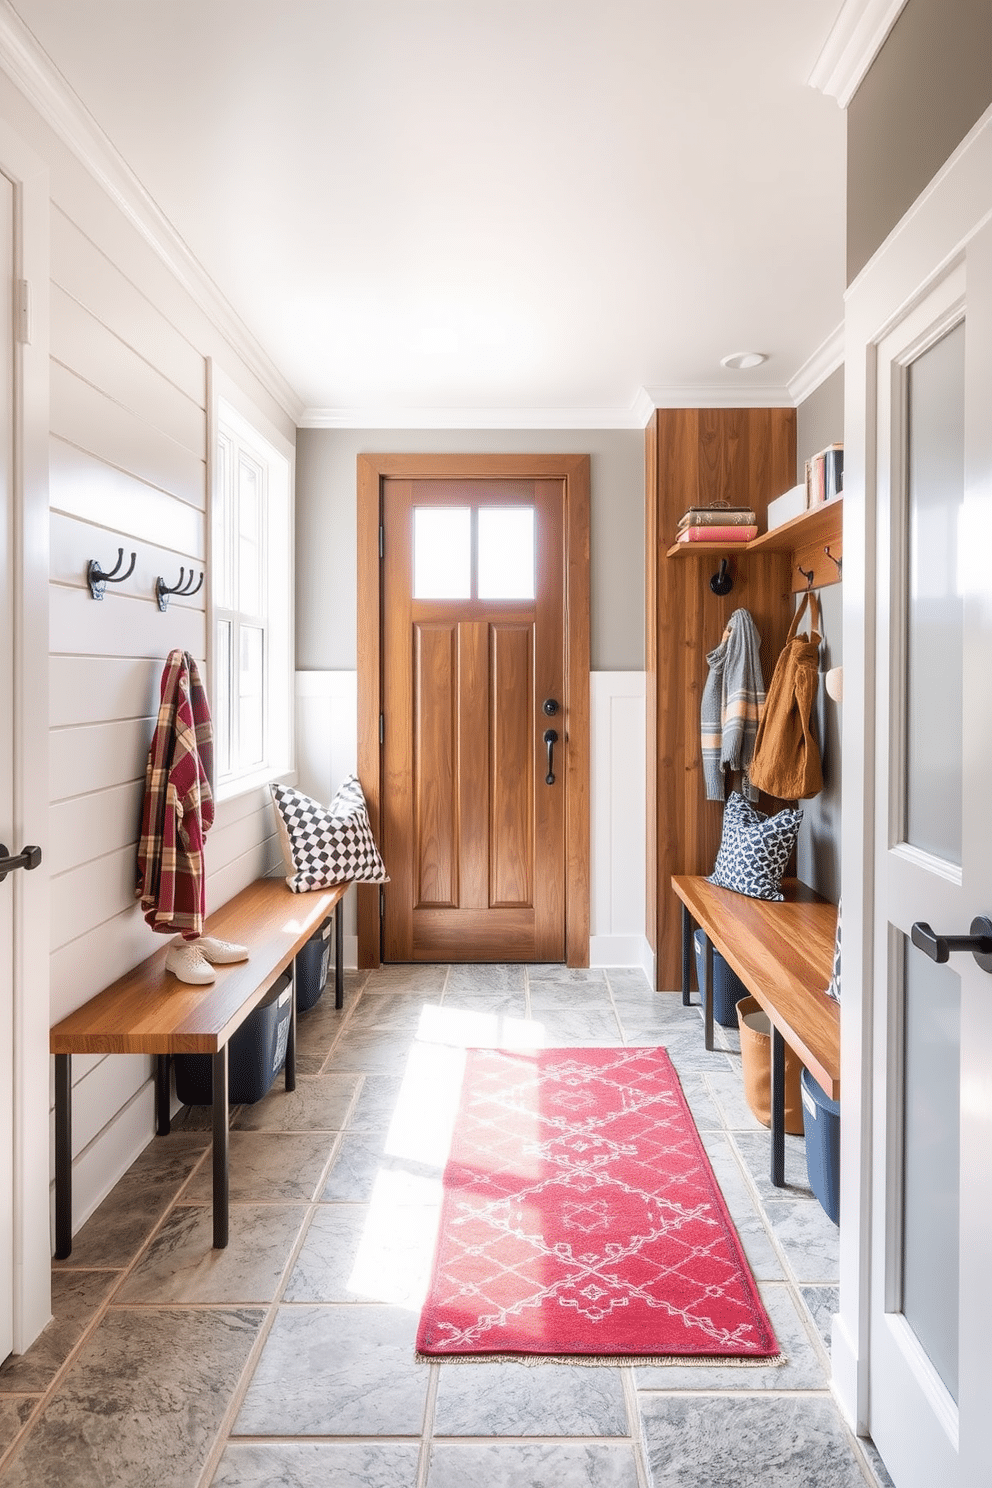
(128, 449)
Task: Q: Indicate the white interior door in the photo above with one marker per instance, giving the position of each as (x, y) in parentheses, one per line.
(7, 600)
(931, 1308)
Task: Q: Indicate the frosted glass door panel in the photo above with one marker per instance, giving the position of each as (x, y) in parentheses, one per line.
(506, 552)
(935, 468)
(442, 552)
(931, 1162)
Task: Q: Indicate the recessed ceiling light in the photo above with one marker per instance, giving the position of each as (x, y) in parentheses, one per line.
(742, 361)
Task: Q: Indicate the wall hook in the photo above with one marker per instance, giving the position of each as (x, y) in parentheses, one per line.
(98, 580)
(839, 561)
(808, 576)
(722, 583)
(162, 590)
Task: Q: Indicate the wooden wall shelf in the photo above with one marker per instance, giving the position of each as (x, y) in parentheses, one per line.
(805, 539)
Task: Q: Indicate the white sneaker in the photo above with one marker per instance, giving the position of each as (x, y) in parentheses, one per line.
(185, 962)
(220, 952)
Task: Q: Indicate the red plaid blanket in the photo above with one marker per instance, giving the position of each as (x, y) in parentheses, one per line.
(178, 807)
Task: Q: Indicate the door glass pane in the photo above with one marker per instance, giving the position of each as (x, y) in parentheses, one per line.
(931, 1158)
(936, 606)
(506, 552)
(442, 552)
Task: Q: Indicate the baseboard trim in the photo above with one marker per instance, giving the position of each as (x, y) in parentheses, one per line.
(845, 1375)
(621, 950)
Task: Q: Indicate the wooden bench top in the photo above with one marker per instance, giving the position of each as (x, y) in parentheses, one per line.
(783, 953)
(149, 1011)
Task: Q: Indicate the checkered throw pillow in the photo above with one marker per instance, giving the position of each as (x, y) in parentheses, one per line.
(324, 845)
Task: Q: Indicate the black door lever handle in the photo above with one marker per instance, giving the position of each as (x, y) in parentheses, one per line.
(551, 739)
(940, 947)
(28, 857)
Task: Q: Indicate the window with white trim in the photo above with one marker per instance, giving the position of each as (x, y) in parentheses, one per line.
(251, 642)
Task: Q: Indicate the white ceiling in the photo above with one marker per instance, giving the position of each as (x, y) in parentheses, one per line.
(486, 210)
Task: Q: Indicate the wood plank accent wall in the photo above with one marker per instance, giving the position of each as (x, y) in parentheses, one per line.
(693, 457)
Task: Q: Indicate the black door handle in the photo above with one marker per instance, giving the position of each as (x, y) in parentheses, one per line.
(28, 857)
(939, 947)
(551, 739)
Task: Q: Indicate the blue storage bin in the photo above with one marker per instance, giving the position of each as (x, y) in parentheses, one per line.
(728, 989)
(255, 1054)
(821, 1124)
(311, 967)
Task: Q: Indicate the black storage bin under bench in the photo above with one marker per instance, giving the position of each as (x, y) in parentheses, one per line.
(311, 966)
(728, 989)
(255, 1055)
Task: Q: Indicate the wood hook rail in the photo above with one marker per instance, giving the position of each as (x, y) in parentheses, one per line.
(98, 580)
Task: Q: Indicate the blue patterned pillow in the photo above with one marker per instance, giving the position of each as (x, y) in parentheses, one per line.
(754, 849)
(833, 989)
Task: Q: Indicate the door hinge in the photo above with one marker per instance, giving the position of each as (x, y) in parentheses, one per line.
(23, 313)
(382, 729)
(382, 542)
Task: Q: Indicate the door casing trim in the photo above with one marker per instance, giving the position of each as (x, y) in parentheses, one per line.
(573, 471)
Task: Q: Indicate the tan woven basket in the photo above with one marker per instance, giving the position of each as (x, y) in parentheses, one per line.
(756, 1066)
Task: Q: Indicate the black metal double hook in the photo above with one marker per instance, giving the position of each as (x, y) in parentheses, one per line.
(162, 590)
(808, 574)
(98, 580)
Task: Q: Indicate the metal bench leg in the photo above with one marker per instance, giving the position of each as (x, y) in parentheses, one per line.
(339, 954)
(163, 1102)
(220, 1148)
(707, 990)
(289, 1068)
(778, 1109)
(686, 956)
(63, 1156)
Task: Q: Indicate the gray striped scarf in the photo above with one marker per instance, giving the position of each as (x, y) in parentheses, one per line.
(733, 698)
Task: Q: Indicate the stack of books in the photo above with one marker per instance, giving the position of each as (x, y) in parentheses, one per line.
(717, 524)
(825, 475)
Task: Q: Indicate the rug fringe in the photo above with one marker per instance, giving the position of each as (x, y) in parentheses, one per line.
(611, 1361)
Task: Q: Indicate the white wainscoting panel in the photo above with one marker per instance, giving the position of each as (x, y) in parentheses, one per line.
(327, 752)
(618, 825)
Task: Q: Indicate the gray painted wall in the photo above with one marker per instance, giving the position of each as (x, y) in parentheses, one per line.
(326, 531)
(928, 85)
(819, 422)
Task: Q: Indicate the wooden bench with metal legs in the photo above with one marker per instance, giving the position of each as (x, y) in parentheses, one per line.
(783, 953)
(149, 1011)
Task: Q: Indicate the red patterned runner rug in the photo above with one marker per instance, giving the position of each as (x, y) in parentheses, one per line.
(581, 1217)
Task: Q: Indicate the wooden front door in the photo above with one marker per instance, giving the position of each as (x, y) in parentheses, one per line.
(473, 825)
(480, 810)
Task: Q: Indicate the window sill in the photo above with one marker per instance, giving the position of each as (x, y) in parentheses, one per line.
(245, 784)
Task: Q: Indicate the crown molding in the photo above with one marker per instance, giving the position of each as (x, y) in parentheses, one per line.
(32, 71)
(476, 418)
(718, 395)
(855, 40)
(817, 368)
(644, 406)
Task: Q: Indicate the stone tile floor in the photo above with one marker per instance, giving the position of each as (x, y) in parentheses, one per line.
(288, 1358)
